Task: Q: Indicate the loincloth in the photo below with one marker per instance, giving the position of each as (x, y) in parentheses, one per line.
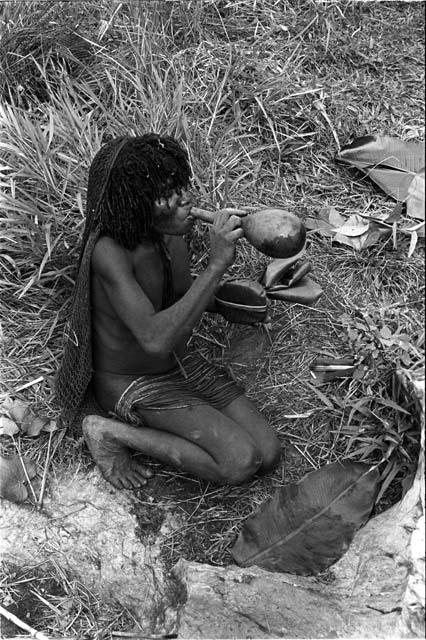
(203, 383)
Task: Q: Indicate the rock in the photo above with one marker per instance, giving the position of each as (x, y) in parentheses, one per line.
(412, 621)
(225, 602)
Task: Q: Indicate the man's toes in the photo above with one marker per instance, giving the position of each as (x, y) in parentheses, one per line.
(88, 425)
(126, 482)
(143, 470)
(116, 481)
(137, 479)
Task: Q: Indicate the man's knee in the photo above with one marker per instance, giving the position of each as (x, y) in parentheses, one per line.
(241, 466)
(271, 452)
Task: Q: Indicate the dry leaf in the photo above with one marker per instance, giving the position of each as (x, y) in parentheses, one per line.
(334, 217)
(51, 426)
(16, 409)
(8, 427)
(13, 479)
(354, 226)
(33, 425)
(358, 232)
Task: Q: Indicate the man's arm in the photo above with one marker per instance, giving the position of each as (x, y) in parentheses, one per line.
(159, 333)
(185, 280)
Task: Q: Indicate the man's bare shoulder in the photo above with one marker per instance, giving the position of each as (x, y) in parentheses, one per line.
(109, 258)
(113, 263)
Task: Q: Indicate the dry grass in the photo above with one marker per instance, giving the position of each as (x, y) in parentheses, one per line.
(244, 85)
(51, 601)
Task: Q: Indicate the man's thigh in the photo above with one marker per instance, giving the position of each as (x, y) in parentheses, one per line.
(243, 412)
(205, 426)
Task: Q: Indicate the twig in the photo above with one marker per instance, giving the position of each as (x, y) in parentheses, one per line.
(132, 635)
(181, 367)
(25, 470)
(22, 625)
(46, 602)
(306, 455)
(29, 384)
(43, 482)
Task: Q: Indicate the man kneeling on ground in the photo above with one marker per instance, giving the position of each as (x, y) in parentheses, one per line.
(135, 305)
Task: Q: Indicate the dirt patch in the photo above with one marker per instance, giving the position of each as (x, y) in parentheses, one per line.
(87, 531)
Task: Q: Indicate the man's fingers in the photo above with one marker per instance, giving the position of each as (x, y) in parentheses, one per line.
(236, 234)
(226, 216)
(233, 212)
(232, 223)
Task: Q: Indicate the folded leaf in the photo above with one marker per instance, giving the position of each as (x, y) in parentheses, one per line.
(306, 527)
(294, 275)
(386, 150)
(353, 226)
(326, 369)
(306, 291)
(390, 162)
(416, 196)
(277, 268)
(242, 301)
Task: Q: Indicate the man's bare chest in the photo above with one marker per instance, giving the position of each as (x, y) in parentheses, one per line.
(161, 267)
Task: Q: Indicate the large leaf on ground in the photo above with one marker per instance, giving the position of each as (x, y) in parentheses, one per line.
(390, 162)
(306, 527)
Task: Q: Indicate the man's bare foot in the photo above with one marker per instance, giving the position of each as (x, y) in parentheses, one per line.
(113, 459)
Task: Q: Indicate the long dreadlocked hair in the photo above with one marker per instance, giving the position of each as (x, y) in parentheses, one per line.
(126, 177)
(145, 169)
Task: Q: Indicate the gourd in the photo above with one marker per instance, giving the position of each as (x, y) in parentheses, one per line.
(275, 232)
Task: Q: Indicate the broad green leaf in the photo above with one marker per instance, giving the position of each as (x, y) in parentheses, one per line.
(306, 527)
